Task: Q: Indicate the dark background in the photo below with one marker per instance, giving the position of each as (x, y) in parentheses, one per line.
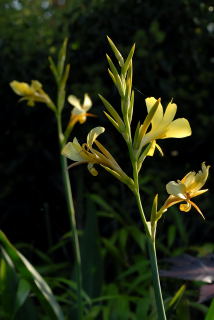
(173, 59)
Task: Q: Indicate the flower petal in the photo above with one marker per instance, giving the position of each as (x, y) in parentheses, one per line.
(198, 193)
(197, 208)
(93, 134)
(176, 189)
(195, 181)
(169, 113)
(179, 128)
(200, 178)
(189, 179)
(72, 150)
(21, 88)
(158, 117)
(185, 207)
(92, 170)
(87, 103)
(74, 102)
(151, 150)
(35, 84)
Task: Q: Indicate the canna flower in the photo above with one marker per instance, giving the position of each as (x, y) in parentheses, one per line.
(163, 125)
(86, 153)
(32, 93)
(79, 112)
(186, 189)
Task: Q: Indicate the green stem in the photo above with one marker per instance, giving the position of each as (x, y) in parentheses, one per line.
(156, 281)
(152, 251)
(72, 218)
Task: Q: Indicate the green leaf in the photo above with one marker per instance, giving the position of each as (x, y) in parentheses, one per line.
(183, 310)
(117, 53)
(54, 69)
(210, 313)
(171, 235)
(131, 106)
(139, 267)
(113, 122)
(92, 273)
(176, 298)
(62, 84)
(37, 283)
(128, 61)
(136, 135)
(154, 209)
(112, 111)
(61, 58)
(8, 285)
(116, 79)
(23, 291)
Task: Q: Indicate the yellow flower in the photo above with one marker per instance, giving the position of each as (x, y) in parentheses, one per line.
(163, 125)
(86, 153)
(186, 189)
(79, 112)
(32, 93)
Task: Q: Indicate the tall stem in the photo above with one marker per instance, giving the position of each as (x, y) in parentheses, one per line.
(152, 252)
(72, 218)
(156, 280)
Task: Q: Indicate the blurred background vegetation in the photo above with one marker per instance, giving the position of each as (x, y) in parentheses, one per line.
(173, 59)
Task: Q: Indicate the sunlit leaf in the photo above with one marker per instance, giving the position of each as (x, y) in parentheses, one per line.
(37, 283)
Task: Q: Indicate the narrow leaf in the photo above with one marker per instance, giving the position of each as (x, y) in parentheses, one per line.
(177, 297)
(128, 60)
(117, 78)
(115, 124)
(210, 313)
(136, 135)
(112, 111)
(37, 283)
(131, 106)
(62, 84)
(61, 58)
(23, 291)
(117, 53)
(54, 69)
(154, 209)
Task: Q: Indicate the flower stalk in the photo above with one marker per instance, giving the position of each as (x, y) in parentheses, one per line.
(35, 93)
(63, 72)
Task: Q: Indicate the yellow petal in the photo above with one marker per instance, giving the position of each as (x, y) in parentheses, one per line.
(93, 134)
(169, 113)
(153, 146)
(159, 149)
(74, 102)
(189, 179)
(158, 117)
(195, 181)
(72, 150)
(92, 170)
(197, 208)
(171, 201)
(21, 88)
(151, 151)
(179, 128)
(198, 193)
(200, 178)
(35, 84)
(185, 207)
(87, 103)
(176, 189)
